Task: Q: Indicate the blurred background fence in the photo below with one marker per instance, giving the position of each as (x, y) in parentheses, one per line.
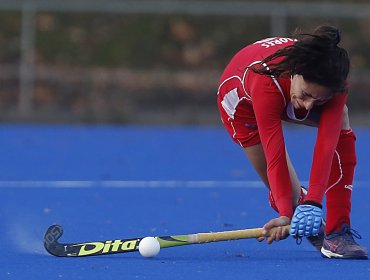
(150, 62)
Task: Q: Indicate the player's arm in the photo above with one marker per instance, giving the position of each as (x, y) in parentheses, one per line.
(326, 142)
(268, 104)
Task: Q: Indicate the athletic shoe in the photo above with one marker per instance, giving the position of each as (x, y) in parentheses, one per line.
(342, 245)
(318, 240)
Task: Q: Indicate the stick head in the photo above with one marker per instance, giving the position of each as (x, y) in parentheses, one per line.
(51, 237)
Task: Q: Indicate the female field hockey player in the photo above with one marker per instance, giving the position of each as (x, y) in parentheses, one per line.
(304, 81)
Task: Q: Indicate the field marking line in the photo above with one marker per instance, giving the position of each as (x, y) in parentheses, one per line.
(130, 184)
(142, 184)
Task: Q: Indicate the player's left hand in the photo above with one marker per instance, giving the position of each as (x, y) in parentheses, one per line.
(280, 232)
(306, 220)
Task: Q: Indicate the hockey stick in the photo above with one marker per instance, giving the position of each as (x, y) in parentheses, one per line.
(118, 246)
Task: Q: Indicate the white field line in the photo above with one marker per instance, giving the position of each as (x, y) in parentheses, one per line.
(143, 184)
(131, 184)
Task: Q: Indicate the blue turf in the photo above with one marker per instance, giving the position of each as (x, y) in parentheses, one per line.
(104, 153)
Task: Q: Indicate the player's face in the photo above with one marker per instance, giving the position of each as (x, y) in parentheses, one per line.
(305, 95)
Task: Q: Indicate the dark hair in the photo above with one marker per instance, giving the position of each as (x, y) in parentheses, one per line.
(315, 56)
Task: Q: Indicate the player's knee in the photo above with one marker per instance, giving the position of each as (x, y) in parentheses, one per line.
(345, 118)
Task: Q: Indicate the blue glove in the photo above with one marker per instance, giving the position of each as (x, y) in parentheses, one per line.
(306, 220)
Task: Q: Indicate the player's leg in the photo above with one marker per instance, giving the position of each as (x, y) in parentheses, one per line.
(256, 157)
(338, 193)
(339, 242)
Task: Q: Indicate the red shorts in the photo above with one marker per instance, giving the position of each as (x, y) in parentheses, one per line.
(237, 113)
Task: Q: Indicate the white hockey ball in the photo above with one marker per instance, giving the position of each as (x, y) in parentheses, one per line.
(149, 247)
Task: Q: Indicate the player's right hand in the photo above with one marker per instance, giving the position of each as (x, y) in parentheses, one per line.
(279, 233)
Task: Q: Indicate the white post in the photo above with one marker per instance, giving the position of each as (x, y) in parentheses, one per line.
(278, 24)
(26, 69)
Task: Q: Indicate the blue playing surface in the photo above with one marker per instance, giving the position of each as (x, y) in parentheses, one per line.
(116, 182)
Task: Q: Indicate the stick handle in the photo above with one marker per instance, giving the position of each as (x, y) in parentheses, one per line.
(231, 235)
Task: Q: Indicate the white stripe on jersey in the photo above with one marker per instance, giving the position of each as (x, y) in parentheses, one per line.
(228, 79)
(230, 102)
(276, 83)
(241, 80)
(244, 75)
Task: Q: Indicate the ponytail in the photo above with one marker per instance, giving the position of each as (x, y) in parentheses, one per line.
(316, 56)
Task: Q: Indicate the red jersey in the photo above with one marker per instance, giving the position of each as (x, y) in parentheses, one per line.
(263, 102)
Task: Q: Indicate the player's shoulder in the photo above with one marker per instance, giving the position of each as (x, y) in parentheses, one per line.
(268, 46)
(275, 42)
(260, 49)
